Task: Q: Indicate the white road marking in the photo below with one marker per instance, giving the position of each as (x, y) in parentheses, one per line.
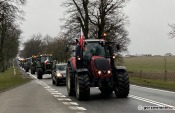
(73, 107)
(154, 89)
(70, 103)
(50, 90)
(46, 87)
(67, 99)
(149, 101)
(64, 99)
(66, 103)
(74, 103)
(60, 99)
(59, 96)
(55, 93)
(77, 108)
(81, 108)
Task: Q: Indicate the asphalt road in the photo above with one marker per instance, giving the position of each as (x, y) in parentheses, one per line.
(42, 97)
(139, 98)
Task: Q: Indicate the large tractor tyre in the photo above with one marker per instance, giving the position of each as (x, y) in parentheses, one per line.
(82, 87)
(39, 74)
(70, 83)
(106, 91)
(27, 70)
(32, 70)
(122, 86)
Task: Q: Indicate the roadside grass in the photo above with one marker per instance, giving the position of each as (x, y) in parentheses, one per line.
(160, 84)
(9, 80)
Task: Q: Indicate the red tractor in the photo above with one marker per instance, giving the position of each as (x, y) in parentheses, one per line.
(93, 66)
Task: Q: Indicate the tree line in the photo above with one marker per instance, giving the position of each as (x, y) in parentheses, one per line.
(10, 31)
(39, 44)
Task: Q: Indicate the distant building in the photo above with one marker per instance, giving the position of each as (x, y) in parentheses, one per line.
(157, 55)
(128, 55)
(168, 54)
(146, 55)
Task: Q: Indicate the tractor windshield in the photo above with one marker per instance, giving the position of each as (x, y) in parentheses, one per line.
(44, 58)
(94, 49)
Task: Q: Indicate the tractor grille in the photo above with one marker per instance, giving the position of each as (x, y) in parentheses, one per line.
(48, 66)
(102, 64)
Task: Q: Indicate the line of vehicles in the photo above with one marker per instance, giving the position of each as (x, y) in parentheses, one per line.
(44, 64)
(92, 65)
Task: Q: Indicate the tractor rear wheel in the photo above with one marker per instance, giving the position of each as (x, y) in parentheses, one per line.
(32, 70)
(39, 73)
(27, 70)
(70, 82)
(122, 86)
(82, 87)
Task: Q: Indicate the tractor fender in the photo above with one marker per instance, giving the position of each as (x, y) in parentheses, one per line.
(121, 69)
(82, 70)
(72, 63)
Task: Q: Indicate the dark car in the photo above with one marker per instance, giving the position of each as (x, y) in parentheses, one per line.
(59, 74)
(27, 64)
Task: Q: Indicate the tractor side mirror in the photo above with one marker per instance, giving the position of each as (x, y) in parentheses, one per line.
(67, 49)
(118, 47)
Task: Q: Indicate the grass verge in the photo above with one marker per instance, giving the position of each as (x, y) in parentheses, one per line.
(169, 85)
(9, 80)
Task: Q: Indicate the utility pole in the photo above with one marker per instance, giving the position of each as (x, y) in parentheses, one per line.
(165, 74)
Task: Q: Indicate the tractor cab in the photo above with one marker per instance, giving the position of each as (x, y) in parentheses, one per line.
(94, 48)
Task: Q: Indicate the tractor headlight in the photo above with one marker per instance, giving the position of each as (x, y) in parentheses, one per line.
(58, 75)
(79, 58)
(113, 57)
(99, 72)
(109, 71)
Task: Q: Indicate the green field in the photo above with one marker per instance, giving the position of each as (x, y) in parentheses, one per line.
(9, 80)
(150, 64)
(150, 71)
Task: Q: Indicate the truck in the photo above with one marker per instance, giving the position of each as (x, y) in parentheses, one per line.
(27, 64)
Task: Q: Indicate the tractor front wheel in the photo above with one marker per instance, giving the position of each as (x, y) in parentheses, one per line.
(32, 70)
(70, 82)
(122, 86)
(82, 87)
(39, 73)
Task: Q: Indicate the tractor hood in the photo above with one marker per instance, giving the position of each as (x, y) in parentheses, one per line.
(101, 63)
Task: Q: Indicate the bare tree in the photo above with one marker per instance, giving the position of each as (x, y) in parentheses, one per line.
(33, 46)
(99, 17)
(172, 32)
(79, 17)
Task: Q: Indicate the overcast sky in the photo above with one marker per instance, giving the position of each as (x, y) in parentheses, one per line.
(148, 28)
